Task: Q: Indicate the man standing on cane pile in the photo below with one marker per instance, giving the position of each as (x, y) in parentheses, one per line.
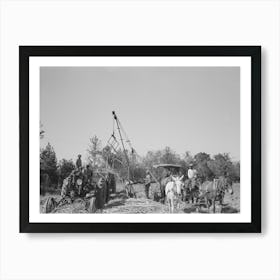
(79, 162)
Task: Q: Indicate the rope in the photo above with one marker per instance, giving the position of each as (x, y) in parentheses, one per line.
(113, 128)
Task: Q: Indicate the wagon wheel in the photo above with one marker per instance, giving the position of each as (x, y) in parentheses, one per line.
(50, 205)
(92, 207)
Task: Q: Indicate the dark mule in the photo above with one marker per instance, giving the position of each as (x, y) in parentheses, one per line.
(163, 182)
(215, 191)
(191, 190)
(191, 194)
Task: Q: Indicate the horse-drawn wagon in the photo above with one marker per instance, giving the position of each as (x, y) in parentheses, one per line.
(192, 191)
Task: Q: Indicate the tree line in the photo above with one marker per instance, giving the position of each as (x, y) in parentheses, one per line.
(208, 167)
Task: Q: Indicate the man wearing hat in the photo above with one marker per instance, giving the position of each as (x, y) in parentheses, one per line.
(100, 194)
(79, 162)
(192, 174)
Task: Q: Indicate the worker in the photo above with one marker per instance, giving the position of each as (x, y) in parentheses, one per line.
(148, 181)
(79, 162)
(88, 174)
(192, 175)
(99, 194)
(163, 182)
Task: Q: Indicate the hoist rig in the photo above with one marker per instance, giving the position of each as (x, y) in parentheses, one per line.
(114, 144)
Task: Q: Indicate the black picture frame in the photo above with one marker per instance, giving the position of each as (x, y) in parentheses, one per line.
(25, 52)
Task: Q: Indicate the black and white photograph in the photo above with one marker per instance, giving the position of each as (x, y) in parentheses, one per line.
(135, 137)
(140, 140)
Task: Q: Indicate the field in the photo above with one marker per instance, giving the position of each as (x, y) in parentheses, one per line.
(121, 204)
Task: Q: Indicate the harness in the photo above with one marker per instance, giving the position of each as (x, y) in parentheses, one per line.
(220, 186)
(216, 186)
(173, 190)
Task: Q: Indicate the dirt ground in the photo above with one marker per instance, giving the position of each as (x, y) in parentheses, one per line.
(121, 204)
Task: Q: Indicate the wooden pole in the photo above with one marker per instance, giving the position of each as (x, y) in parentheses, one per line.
(124, 150)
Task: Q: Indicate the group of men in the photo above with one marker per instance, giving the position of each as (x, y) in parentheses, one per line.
(101, 186)
(190, 182)
(78, 179)
(86, 175)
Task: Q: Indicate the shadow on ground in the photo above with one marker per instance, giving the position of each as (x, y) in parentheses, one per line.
(117, 199)
(226, 208)
(194, 209)
(115, 203)
(229, 209)
(190, 209)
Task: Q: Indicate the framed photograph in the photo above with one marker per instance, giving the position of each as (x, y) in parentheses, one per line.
(140, 139)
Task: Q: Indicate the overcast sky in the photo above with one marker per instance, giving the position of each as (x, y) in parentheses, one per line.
(194, 109)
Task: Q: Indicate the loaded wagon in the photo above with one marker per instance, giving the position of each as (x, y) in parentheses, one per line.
(164, 171)
(86, 188)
